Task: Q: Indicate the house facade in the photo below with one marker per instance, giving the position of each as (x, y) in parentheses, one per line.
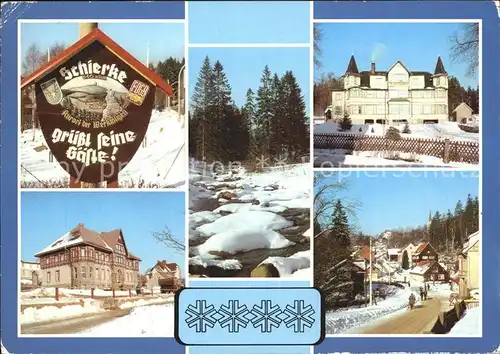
(30, 273)
(430, 271)
(469, 265)
(424, 253)
(164, 275)
(462, 113)
(397, 95)
(83, 259)
(393, 254)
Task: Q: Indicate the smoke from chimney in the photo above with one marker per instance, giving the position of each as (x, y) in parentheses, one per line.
(373, 68)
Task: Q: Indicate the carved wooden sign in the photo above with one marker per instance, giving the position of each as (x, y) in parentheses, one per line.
(94, 104)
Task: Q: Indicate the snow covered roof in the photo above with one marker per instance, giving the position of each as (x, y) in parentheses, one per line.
(420, 269)
(472, 240)
(165, 269)
(81, 235)
(393, 251)
(463, 104)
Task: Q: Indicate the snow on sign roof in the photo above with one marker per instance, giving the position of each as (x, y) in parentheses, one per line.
(98, 35)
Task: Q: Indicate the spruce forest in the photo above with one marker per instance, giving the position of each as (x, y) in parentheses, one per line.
(446, 230)
(272, 125)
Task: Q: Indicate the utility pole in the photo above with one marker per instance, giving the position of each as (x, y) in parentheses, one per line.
(371, 290)
(180, 89)
(147, 57)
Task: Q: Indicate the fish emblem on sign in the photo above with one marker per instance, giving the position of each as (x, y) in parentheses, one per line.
(137, 92)
(52, 91)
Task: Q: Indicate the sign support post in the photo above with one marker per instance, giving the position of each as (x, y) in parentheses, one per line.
(84, 29)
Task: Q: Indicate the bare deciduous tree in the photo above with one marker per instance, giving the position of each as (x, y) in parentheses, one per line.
(465, 47)
(32, 59)
(55, 50)
(173, 242)
(318, 36)
(325, 197)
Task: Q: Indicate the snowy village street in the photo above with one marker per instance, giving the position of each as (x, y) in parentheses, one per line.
(417, 321)
(241, 220)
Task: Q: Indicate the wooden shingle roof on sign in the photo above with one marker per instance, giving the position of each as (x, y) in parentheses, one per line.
(122, 54)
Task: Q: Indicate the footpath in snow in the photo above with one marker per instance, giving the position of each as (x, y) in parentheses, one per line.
(239, 221)
(158, 163)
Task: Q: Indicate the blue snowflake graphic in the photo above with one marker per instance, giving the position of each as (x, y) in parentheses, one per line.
(201, 316)
(266, 316)
(233, 316)
(298, 316)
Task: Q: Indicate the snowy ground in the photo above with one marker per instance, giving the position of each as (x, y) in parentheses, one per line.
(327, 158)
(445, 130)
(47, 313)
(161, 163)
(469, 325)
(52, 312)
(338, 157)
(150, 321)
(245, 216)
(348, 320)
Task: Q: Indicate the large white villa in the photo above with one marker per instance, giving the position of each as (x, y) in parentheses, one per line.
(394, 96)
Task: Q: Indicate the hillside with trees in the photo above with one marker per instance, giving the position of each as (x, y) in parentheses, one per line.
(271, 125)
(446, 230)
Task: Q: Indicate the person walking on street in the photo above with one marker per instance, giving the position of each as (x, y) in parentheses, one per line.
(411, 301)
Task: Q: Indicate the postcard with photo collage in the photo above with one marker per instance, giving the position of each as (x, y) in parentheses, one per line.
(261, 177)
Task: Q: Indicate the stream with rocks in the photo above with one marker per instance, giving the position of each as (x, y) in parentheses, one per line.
(228, 192)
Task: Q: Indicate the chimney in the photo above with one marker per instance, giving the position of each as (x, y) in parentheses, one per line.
(373, 68)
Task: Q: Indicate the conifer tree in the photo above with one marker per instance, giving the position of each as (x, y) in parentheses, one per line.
(264, 112)
(201, 101)
(295, 132)
(345, 123)
(249, 111)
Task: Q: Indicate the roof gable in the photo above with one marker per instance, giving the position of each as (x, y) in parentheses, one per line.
(463, 104)
(400, 63)
(99, 36)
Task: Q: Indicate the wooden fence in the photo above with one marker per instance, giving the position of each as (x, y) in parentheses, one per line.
(446, 149)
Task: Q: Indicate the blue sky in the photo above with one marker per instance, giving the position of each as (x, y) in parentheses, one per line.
(46, 216)
(243, 67)
(417, 45)
(390, 200)
(165, 39)
(249, 21)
